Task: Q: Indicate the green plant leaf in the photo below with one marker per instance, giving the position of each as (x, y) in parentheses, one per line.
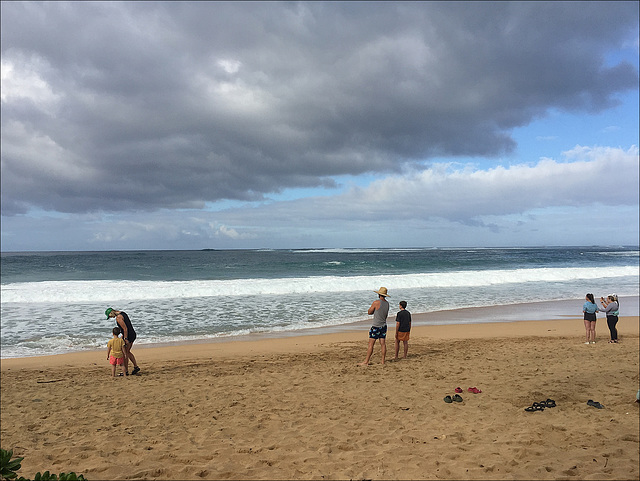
(8, 466)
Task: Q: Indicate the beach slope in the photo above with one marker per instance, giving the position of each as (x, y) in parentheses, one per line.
(301, 408)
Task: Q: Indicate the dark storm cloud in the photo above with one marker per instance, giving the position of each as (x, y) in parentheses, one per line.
(142, 105)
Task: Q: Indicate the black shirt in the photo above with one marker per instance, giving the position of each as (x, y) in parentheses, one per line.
(131, 333)
(404, 318)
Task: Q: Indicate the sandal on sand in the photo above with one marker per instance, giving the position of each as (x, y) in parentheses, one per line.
(549, 403)
(448, 399)
(535, 407)
(135, 371)
(457, 398)
(595, 404)
(474, 390)
(458, 389)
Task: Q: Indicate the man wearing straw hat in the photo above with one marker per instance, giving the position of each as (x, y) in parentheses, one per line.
(380, 310)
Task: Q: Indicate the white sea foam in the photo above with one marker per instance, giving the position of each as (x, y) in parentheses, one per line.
(108, 291)
(619, 254)
(342, 250)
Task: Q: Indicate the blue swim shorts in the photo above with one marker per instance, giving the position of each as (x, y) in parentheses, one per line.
(378, 332)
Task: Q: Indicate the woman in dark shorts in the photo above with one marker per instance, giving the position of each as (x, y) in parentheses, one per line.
(128, 334)
(590, 308)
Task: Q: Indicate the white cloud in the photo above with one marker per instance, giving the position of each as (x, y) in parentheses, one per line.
(587, 196)
(588, 175)
(230, 66)
(225, 231)
(22, 80)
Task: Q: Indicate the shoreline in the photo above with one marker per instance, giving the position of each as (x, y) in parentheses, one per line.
(506, 313)
(300, 344)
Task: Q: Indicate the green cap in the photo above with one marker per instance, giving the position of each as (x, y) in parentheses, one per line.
(108, 311)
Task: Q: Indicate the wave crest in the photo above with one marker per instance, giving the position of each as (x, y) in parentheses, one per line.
(109, 291)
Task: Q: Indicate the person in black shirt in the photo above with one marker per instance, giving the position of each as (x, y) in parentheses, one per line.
(128, 334)
(403, 326)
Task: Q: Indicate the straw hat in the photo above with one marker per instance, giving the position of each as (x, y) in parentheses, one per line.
(382, 291)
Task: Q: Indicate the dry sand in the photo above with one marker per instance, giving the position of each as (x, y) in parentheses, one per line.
(301, 408)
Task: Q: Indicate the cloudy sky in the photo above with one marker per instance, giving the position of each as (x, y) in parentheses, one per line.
(189, 125)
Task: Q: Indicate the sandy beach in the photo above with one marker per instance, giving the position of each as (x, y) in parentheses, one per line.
(301, 408)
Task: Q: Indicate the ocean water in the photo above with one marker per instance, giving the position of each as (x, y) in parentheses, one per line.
(54, 302)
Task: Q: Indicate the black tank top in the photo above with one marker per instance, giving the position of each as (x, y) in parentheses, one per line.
(127, 322)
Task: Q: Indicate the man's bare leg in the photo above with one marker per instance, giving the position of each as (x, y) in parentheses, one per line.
(125, 350)
(132, 357)
(369, 353)
(383, 345)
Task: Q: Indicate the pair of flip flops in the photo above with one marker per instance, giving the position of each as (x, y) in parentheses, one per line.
(549, 403)
(474, 390)
(594, 404)
(457, 398)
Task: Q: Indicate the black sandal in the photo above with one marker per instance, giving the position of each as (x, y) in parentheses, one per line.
(538, 406)
(535, 407)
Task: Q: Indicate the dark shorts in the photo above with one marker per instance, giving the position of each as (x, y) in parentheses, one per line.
(590, 316)
(378, 332)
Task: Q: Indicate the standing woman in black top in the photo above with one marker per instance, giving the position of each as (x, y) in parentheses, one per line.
(128, 334)
(612, 310)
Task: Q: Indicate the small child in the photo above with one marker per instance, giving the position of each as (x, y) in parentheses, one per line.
(115, 352)
(403, 326)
